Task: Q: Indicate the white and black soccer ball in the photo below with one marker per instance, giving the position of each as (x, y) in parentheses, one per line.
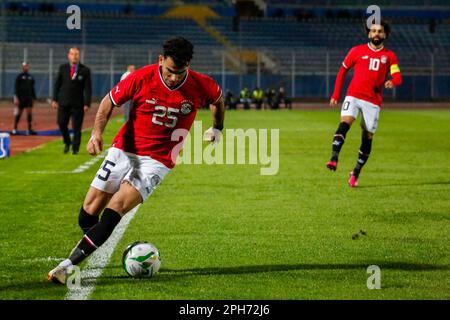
(141, 259)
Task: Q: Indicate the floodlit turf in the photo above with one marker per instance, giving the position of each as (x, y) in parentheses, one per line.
(226, 232)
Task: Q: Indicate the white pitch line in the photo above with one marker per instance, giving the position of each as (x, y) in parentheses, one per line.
(82, 168)
(99, 260)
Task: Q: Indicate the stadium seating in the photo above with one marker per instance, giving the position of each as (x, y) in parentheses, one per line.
(312, 48)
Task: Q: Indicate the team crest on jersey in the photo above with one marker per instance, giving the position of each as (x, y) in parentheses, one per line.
(186, 106)
(383, 59)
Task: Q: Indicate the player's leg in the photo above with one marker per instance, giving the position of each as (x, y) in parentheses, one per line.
(94, 203)
(349, 112)
(29, 111)
(363, 156)
(105, 184)
(138, 184)
(63, 122)
(77, 123)
(17, 114)
(369, 121)
(107, 181)
(121, 202)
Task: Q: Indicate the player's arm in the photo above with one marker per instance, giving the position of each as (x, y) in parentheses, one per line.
(56, 88)
(347, 64)
(33, 90)
(87, 92)
(395, 73)
(218, 115)
(396, 77)
(338, 86)
(16, 91)
(95, 144)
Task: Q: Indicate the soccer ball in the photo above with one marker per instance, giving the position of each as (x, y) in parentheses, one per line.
(141, 259)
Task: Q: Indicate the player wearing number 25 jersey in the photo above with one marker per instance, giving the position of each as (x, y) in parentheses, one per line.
(166, 97)
(372, 63)
(159, 110)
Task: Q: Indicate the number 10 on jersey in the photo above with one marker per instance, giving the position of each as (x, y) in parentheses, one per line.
(374, 64)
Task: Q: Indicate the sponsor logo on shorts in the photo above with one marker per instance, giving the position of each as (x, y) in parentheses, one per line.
(155, 180)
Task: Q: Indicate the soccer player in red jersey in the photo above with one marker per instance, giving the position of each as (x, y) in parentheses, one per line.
(372, 63)
(166, 97)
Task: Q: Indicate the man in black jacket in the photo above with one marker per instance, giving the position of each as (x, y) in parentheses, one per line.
(24, 94)
(72, 98)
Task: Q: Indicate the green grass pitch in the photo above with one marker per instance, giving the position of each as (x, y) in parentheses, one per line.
(226, 232)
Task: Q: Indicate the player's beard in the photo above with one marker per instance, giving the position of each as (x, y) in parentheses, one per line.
(376, 42)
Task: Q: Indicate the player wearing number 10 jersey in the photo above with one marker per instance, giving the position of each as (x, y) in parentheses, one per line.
(166, 97)
(372, 63)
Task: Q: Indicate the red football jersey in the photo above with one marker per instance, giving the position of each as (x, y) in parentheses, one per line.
(371, 69)
(159, 110)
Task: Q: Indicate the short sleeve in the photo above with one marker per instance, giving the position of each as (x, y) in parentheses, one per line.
(124, 90)
(350, 59)
(213, 91)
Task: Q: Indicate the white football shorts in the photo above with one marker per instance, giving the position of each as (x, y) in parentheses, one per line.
(142, 172)
(370, 112)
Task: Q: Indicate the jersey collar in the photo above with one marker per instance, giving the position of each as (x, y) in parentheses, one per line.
(176, 87)
(375, 50)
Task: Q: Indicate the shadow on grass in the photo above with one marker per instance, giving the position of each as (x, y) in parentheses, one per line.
(404, 184)
(32, 289)
(44, 290)
(172, 274)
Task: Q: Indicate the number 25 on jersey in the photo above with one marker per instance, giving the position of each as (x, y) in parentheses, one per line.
(163, 112)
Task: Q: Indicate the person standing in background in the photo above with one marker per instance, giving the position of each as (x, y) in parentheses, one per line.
(127, 105)
(72, 98)
(24, 94)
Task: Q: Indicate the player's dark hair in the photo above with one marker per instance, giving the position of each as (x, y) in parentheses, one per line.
(386, 26)
(180, 50)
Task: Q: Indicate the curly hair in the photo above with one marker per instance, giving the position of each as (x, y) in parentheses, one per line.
(180, 50)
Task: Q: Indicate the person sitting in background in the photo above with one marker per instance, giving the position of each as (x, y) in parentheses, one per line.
(271, 98)
(230, 101)
(245, 98)
(258, 96)
(281, 97)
